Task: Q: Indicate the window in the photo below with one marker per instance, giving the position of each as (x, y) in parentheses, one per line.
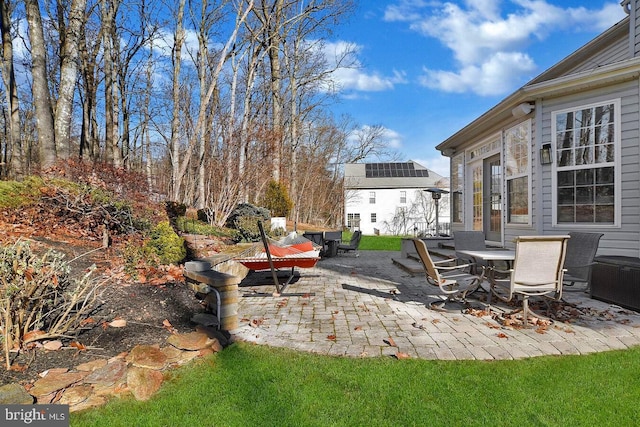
(372, 197)
(476, 174)
(517, 167)
(403, 197)
(373, 218)
(457, 181)
(353, 220)
(586, 143)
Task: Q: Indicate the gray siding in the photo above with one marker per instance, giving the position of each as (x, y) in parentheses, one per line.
(634, 22)
(616, 52)
(616, 241)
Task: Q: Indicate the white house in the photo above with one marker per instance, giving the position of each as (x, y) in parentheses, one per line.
(389, 198)
(560, 154)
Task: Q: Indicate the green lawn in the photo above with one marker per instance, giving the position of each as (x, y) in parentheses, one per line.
(376, 243)
(248, 385)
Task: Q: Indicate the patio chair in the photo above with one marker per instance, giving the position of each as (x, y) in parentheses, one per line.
(581, 250)
(453, 280)
(469, 241)
(472, 241)
(352, 245)
(330, 242)
(538, 270)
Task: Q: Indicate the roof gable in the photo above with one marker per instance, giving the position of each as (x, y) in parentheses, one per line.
(594, 54)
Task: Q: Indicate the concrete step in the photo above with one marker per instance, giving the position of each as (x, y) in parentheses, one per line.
(411, 263)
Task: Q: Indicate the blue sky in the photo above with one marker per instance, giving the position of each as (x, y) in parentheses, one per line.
(429, 67)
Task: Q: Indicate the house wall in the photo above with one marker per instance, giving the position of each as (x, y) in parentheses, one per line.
(510, 230)
(387, 202)
(622, 240)
(616, 52)
(634, 22)
(625, 239)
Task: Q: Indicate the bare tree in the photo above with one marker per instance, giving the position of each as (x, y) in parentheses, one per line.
(40, 88)
(69, 51)
(17, 159)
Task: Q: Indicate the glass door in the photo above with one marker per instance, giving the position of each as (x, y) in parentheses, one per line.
(492, 199)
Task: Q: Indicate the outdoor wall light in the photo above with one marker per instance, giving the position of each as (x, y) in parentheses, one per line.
(545, 154)
(522, 110)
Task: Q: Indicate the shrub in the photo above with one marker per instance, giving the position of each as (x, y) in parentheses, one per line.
(244, 219)
(277, 200)
(38, 298)
(165, 244)
(175, 209)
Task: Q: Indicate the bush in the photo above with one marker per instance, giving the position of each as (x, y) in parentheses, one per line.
(175, 209)
(38, 298)
(165, 245)
(277, 200)
(244, 219)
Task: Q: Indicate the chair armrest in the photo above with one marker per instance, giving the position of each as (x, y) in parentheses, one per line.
(454, 267)
(442, 261)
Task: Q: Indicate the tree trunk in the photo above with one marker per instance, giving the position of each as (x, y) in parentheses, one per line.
(176, 178)
(68, 72)
(17, 158)
(110, 40)
(40, 89)
(274, 41)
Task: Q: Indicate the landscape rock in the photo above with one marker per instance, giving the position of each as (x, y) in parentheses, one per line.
(190, 341)
(91, 365)
(75, 395)
(176, 356)
(111, 373)
(147, 356)
(143, 382)
(14, 394)
(53, 382)
(91, 402)
(222, 336)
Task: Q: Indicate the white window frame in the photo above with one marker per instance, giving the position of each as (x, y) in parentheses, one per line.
(374, 218)
(457, 187)
(403, 197)
(616, 164)
(372, 197)
(474, 158)
(351, 217)
(510, 174)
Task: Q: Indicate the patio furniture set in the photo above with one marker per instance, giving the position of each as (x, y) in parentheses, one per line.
(540, 266)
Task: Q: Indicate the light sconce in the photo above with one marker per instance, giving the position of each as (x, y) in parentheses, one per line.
(545, 154)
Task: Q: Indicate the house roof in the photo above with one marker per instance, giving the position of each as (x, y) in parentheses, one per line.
(558, 80)
(389, 175)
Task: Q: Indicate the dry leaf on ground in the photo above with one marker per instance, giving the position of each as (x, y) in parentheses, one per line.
(118, 323)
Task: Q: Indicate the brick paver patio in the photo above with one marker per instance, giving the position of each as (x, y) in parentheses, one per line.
(366, 307)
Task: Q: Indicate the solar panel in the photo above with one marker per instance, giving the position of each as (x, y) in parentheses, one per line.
(394, 170)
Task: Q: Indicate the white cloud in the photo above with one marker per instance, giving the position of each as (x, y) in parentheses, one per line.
(349, 74)
(438, 164)
(488, 41)
(392, 138)
(492, 77)
(163, 44)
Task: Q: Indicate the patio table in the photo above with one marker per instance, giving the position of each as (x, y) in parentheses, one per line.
(491, 256)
